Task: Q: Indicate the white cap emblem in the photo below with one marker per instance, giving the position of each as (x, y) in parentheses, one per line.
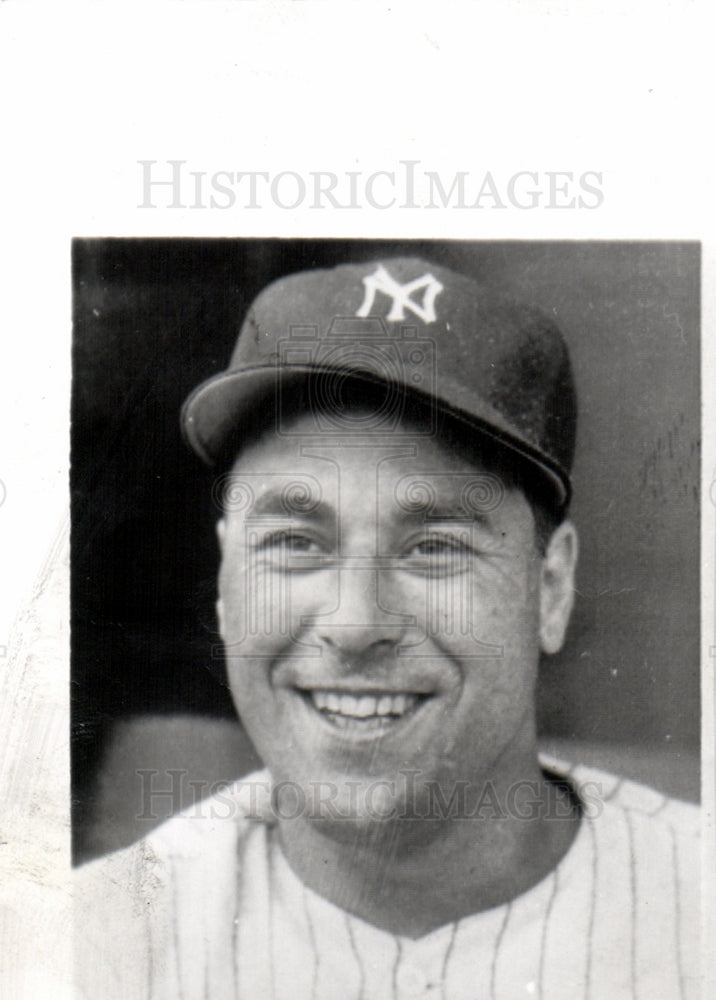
(381, 281)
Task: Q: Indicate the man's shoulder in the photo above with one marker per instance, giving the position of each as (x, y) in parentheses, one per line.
(229, 813)
(608, 794)
(214, 826)
(641, 843)
(183, 875)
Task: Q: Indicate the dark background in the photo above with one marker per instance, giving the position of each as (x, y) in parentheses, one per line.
(154, 317)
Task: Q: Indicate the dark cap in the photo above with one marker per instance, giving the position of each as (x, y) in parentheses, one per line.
(501, 366)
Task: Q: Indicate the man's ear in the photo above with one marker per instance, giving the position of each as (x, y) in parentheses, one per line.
(220, 534)
(557, 586)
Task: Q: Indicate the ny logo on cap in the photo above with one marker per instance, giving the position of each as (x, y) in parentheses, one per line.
(381, 281)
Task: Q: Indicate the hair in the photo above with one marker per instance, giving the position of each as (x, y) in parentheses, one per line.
(331, 398)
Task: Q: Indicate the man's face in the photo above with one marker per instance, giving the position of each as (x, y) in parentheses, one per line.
(379, 603)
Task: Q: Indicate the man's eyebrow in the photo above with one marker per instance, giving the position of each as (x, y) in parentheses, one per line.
(444, 509)
(278, 503)
(457, 512)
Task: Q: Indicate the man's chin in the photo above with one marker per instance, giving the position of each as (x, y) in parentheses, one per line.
(354, 812)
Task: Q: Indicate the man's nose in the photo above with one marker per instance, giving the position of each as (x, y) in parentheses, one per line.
(365, 617)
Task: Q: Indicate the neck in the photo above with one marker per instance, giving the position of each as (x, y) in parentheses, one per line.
(411, 877)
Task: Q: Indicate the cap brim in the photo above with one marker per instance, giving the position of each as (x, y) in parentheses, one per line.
(212, 415)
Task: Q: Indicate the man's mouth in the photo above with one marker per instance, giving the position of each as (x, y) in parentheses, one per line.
(366, 710)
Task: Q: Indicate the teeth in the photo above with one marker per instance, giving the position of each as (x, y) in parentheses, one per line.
(362, 706)
(383, 706)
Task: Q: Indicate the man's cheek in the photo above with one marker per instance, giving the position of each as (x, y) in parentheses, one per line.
(237, 583)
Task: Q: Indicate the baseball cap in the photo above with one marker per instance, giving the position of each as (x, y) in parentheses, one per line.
(402, 323)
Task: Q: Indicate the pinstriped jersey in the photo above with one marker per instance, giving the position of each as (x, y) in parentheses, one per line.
(207, 907)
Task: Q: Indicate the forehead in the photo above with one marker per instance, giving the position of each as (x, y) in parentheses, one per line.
(407, 471)
(351, 441)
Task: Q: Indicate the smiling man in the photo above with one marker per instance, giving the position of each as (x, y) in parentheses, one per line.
(392, 447)
(404, 675)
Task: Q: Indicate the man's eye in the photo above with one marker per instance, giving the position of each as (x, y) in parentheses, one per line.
(440, 546)
(291, 543)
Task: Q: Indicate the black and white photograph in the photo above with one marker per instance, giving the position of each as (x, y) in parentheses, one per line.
(357, 501)
(385, 630)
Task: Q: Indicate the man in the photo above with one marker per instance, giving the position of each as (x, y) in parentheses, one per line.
(392, 447)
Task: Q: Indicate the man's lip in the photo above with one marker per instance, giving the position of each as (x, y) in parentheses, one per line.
(319, 695)
(357, 692)
(363, 710)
